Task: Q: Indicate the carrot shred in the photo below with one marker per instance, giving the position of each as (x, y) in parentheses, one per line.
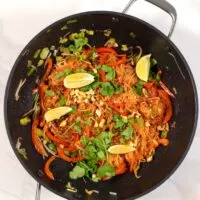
(47, 165)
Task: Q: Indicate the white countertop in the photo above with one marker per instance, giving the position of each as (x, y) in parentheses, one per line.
(21, 20)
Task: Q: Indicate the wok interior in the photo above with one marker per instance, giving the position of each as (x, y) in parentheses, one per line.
(184, 106)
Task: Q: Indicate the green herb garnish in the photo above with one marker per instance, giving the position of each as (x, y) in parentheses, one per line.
(24, 121)
(62, 101)
(71, 21)
(140, 122)
(77, 172)
(110, 72)
(138, 87)
(107, 32)
(127, 133)
(164, 134)
(40, 63)
(70, 188)
(124, 47)
(77, 128)
(50, 93)
(63, 40)
(107, 89)
(21, 151)
(44, 53)
(106, 170)
(132, 35)
(63, 74)
(64, 28)
(36, 54)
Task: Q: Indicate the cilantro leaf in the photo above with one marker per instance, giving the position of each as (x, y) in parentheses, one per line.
(77, 128)
(84, 140)
(127, 133)
(107, 89)
(110, 72)
(138, 87)
(62, 101)
(106, 170)
(80, 42)
(73, 109)
(101, 155)
(77, 172)
(119, 123)
(140, 122)
(118, 88)
(95, 85)
(88, 122)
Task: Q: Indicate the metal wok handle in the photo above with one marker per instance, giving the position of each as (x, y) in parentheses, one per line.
(162, 4)
(38, 191)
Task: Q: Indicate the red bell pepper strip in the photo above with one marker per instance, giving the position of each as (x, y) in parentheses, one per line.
(166, 89)
(62, 155)
(102, 75)
(54, 138)
(120, 61)
(72, 146)
(42, 89)
(36, 140)
(46, 167)
(105, 50)
(167, 102)
(102, 58)
(114, 107)
(151, 89)
(48, 70)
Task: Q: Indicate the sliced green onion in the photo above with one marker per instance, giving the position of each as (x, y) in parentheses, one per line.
(36, 54)
(52, 47)
(59, 58)
(164, 134)
(44, 53)
(64, 28)
(132, 35)
(71, 21)
(24, 121)
(124, 47)
(50, 93)
(63, 40)
(107, 32)
(40, 63)
(31, 70)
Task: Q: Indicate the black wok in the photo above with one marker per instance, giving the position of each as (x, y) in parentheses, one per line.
(177, 74)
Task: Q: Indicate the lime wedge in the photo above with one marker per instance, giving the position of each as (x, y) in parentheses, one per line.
(143, 67)
(78, 80)
(120, 149)
(56, 113)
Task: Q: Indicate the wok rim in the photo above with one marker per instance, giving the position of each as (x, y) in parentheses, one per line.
(193, 84)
